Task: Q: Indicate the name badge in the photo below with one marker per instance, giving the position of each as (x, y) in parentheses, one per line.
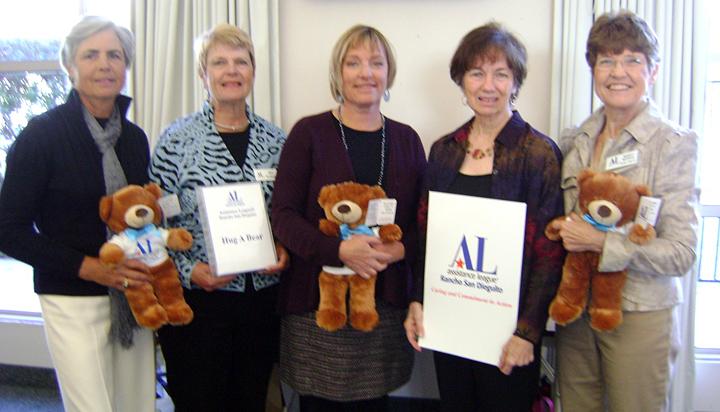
(381, 212)
(622, 160)
(265, 175)
(170, 205)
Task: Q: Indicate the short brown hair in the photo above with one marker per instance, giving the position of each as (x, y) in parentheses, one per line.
(223, 34)
(353, 37)
(489, 42)
(615, 32)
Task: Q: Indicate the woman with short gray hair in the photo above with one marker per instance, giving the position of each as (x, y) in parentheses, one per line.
(628, 368)
(59, 167)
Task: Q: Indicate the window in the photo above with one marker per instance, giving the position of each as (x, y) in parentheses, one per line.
(707, 335)
(31, 82)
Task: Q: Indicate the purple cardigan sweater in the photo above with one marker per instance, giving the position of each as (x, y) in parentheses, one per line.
(314, 156)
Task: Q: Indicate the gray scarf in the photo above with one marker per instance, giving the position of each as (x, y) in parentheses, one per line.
(122, 321)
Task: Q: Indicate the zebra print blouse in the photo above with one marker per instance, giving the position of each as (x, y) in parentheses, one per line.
(191, 153)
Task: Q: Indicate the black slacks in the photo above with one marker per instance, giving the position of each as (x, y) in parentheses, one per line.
(467, 385)
(223, 359)
(316, 404)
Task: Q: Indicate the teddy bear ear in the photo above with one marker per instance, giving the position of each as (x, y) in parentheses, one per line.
(643, 190)
(105, 208)
(585, 174)
(324, 193)
(154, 189)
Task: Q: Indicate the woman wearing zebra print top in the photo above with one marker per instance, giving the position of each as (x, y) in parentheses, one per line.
(223, 359)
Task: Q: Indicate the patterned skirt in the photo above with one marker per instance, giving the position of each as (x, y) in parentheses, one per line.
(346, 365)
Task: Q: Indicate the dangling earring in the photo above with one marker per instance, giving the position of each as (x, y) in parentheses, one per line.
(464, 100)
(513, 99)
(386, 95)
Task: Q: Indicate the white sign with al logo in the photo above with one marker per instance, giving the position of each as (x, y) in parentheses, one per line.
(236, 228)
(473, 266)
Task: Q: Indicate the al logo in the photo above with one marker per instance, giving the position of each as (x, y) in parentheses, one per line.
(234, 199)
(464, 260)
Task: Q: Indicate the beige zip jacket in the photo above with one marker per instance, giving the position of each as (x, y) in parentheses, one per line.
(666, 162)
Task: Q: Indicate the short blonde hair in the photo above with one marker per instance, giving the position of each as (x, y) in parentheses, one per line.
(354, 37)
(226, 34)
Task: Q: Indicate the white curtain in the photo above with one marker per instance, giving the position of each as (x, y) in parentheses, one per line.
(164, 81)
(679, 91)
(571, 96)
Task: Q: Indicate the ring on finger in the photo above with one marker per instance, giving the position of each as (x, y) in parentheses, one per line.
(125, 283)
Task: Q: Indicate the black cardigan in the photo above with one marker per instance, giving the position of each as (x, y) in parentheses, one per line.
(49, 200)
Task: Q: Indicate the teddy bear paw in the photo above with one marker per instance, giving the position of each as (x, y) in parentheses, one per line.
(563, 313)
(364, 321)
(605, 319)
(152, 317)
(330, 320)
(179, 314)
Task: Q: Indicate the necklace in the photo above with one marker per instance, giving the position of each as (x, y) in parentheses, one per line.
(232, 128)
(382, 142)
(477, 154)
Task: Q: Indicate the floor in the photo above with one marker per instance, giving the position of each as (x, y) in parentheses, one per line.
(28, 389)
(24, 389)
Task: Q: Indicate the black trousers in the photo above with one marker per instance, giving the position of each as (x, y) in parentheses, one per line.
(467, 385)
(222, 360)
(316, 404)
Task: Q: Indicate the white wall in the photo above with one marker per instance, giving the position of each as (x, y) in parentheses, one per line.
(424, 34)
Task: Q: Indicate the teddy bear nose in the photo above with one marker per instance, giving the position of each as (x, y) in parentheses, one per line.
(141, 213)
(604, 211)
(344, 209)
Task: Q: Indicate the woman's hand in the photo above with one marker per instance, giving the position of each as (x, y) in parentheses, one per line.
(395, 249)
(413, 324)
(202, 276)
(580, 236)
(283, 261)
(516, 352)
(359, 255)
(125, 274)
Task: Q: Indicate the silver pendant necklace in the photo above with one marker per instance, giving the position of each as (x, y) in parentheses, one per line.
(382, 143)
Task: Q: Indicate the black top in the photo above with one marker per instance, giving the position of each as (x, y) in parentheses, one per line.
(49, 202)
(364, 152)
(237, 144)
(477, 185)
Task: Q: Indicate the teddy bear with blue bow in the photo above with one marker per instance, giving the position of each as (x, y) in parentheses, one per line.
(609, 202)
(133, 213)
(345, 206)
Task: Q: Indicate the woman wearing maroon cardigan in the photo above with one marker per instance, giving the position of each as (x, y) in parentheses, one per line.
(347, 369)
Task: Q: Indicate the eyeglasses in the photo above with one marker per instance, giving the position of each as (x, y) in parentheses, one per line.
(629, 63)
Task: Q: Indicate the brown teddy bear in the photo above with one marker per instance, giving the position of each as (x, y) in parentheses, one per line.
(607, 201)
(132, 213)
(346, 205)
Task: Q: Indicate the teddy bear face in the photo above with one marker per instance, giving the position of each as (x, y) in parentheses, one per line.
(133, 206)
(348, 202)
(610, 199)
(138, 216)
(348, 212)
